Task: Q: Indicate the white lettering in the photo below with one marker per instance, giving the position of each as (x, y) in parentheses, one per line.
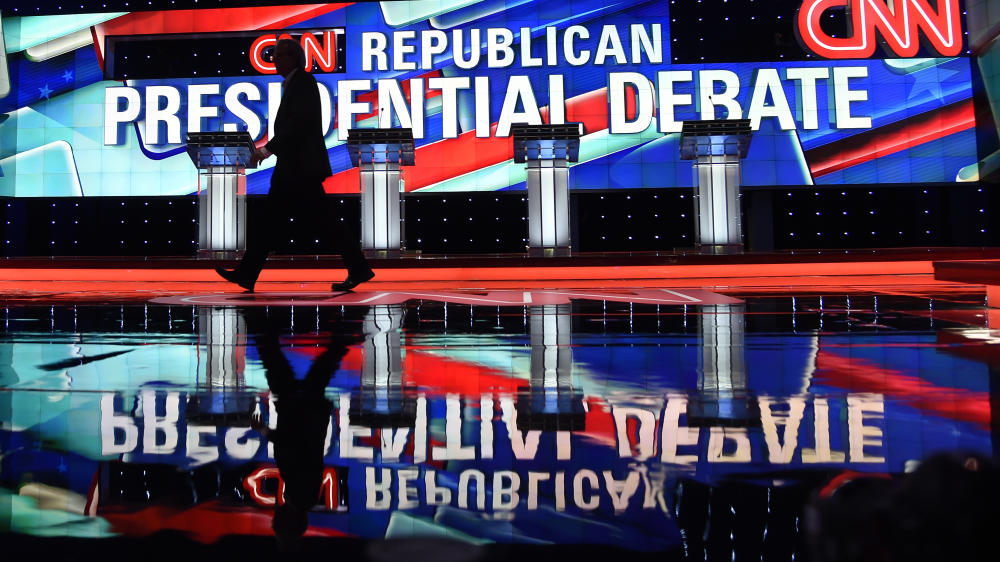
(432, 42)
(111, 423)
(244, 113)
(505, 485)
(768, 81)
(806, 99)
(435, 495)
(591, 477)
(167, 115)
(673, 434)
(114, 117)
(373, 47)
(197, 111)
(377, 492)
(669, 100)
(518, 89)
(778, 453)
(348, 433)
(709, 98)
(347, 108)
(844, 95)
(499, 54)
(392, 101)
(618, 106)
(859, 409)
(610, 44)
(154, 426)
(408, 498)
(400, 48)
(453, 449)
(569, 47)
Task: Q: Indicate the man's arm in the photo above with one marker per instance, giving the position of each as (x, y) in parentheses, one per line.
(257, 424)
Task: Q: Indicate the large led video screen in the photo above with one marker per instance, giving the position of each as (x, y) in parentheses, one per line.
(460, 73)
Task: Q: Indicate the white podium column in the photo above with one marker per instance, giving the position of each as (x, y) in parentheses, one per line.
(381, 400)
(546, 151)
(723, 398)
(551, 402)
(548, 203)
(717, 200)
(380, 220)
(221, 159)
(378, 154)
(717, 146)
(220, 389)
(222, 208)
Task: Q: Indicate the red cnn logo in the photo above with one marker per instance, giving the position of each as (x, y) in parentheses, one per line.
(323, 52)
(898, 23)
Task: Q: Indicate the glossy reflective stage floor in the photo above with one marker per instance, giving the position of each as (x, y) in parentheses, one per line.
(664, 423)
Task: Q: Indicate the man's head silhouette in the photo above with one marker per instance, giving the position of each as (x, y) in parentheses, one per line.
(288, 56)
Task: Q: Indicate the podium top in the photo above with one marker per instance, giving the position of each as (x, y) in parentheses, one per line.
(380, 145)
(220, 149)
(715, 137)
(546, 142)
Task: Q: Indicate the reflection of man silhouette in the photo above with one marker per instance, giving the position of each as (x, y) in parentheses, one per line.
(303, 417)
(297, 181)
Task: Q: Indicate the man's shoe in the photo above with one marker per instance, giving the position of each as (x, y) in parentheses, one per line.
(233, 277)
(352, 281)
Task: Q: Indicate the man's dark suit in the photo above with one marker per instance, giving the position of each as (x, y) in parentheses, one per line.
(299, 436)
(297, 179)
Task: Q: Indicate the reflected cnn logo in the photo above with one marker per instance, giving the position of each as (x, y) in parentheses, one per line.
(898, 24)
(324, 48)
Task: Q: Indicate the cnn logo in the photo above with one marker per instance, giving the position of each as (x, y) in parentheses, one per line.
(899, 24)
(322, 50)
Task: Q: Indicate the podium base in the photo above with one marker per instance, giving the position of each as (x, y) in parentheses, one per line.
(720, 249)
(220, 254)
(382, 254)
(552, 251)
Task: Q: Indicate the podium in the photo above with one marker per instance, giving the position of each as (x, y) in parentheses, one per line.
(551, 402)
(222, 159)
(723, 398)
(221, 396)
(382, 400)
(717, 146)
(379, 153)
(547, 150)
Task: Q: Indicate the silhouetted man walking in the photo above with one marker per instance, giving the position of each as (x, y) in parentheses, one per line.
(297, 180)
(303, 417)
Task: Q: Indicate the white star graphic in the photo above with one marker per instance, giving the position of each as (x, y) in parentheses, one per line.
(930, 80)
(44, 92)
(67, 76)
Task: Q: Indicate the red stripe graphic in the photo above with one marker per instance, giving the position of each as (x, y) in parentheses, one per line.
(861, 375)
(891, 138)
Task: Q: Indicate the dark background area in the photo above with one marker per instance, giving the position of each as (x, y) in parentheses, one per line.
(477, 223)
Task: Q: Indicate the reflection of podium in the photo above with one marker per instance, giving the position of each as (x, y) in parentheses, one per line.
(723, 398)
(546, 149)
(221, 397)
(716, 147)
(379, 153)
(551, 403)
(382, 401)
(221, 159)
